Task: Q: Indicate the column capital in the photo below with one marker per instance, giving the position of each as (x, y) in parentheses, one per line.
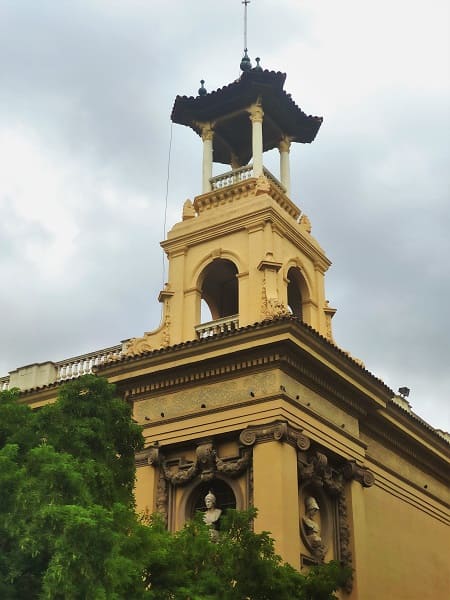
(207, 132)
(279, 431)
(284, 145)
(256, 113)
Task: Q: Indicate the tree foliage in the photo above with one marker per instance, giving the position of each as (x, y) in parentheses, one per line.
(68, 527)
(242, 565)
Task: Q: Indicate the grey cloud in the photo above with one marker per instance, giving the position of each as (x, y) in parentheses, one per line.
(97, 81)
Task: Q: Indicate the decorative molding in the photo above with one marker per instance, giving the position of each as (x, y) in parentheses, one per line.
(329, 314)
(305, 223)
(234, 467)
(314, 377)
(165, 381)
(205, 466)
(256, 113)
(206, 460)
(137, 346)
(207, 132)
(269, 264)
(271, 307)
(322, 382)
(284, 145)
(149, 456)
(188, 210)
(279, 431)
(263, 186)
(353, 471)
(408, 448)
(162, 496)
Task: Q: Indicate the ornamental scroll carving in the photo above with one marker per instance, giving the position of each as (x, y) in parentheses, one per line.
(353, 471)
(206, 465)
(272, 307)
(279, 431)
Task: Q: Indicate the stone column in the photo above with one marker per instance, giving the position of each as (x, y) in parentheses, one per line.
(275, 494)
(285, 173)
(256, 117)
(146, 481)
(207, 137)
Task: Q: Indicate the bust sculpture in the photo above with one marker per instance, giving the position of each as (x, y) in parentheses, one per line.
(312, 529)
(212, 515)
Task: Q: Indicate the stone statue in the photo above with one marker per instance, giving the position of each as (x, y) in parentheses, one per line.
(312, 529)
(212, 515)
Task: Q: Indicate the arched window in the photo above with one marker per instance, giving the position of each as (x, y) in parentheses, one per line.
(294, 291)
(225, 497)
(219, 288)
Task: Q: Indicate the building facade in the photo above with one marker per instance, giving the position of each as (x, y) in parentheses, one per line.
(258, 404)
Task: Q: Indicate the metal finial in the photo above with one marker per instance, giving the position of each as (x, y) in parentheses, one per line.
(246, 63)
(202, 90)
(258, 66)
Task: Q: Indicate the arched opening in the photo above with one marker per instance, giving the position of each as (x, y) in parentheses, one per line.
(225, 497)
(294, 291)
(205, 313)
(219, 288)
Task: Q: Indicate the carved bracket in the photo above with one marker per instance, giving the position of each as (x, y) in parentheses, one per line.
(279, 431)
(353, 471)
(149, 456)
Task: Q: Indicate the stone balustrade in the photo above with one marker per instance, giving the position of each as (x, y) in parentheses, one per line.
(211, 328)
(84, 364)
(241, 174)
(38, 375)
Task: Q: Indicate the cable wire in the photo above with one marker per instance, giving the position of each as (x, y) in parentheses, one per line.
(166, 203)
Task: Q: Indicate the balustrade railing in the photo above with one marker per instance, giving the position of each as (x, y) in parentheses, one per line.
(70, 368)
(211, 328)
(84, 364)
(237, 175)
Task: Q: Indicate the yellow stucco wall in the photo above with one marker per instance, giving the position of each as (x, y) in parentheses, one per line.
(407, 549)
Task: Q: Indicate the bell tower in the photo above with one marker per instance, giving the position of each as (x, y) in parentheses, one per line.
(243, 249)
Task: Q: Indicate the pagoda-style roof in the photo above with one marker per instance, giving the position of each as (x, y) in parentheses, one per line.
(227, 110)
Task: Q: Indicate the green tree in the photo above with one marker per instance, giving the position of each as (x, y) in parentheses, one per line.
(242, 565)
(68, 527)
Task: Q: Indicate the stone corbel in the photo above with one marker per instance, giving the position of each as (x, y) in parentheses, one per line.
(279, 431)
(353, 471)
(206, 460)
(149, 456)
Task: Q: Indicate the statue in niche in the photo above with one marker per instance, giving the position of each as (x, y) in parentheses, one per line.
(212, 515)
(312, 528)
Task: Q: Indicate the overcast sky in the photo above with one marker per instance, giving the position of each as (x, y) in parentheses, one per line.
(86, 91)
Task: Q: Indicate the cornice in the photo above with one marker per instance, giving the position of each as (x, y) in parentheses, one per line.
(405, 485)
(284, 330)
(402, 442)
(230, 193)
(251, 216)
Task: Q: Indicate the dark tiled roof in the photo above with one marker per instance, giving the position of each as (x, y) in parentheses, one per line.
(286, 118)
(259, 325)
